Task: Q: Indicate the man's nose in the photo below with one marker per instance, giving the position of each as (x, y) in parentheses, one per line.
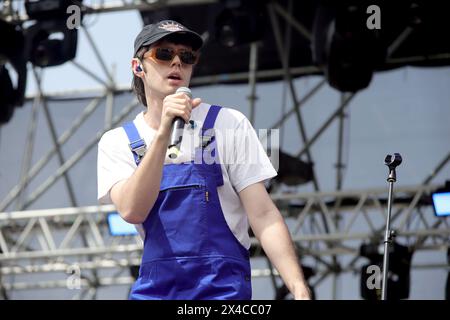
(176, 61)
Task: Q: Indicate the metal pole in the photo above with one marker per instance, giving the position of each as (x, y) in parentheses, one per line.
(287, 51)
(392, 162)
(339, 177)
(28, 152)
(292, 21)
(439, 167)
(387, 243)
(277, 35)
(298, 105)
(339, 164)
(54, 137)
(89, 73)
(99, 57)
(109, 109)
(308, 144)
(253, 68)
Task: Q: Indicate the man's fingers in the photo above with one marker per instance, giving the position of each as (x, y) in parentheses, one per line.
(180, 113)
(196, 102)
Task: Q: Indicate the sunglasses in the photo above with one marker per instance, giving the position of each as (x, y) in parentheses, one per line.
(167, 54)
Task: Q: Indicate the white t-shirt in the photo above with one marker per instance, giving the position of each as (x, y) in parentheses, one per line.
(241, 154)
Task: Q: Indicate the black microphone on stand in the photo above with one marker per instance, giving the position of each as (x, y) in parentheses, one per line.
(177, 131)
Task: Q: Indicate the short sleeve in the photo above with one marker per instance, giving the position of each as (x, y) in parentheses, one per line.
(114, 163)
(249, 163)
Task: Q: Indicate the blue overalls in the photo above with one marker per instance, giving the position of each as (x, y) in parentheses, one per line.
(189, 250)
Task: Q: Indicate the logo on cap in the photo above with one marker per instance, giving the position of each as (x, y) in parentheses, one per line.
(171, 26)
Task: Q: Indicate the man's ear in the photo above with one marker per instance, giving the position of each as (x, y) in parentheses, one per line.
(137, 68)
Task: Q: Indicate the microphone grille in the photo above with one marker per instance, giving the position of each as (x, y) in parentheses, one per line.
(185, 90)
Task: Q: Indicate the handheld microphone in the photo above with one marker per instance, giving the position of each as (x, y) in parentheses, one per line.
(177, 131)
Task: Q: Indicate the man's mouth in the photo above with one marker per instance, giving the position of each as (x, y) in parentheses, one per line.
(174, 76)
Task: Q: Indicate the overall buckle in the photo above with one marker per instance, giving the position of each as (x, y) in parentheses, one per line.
(139, 147)
(208, 138)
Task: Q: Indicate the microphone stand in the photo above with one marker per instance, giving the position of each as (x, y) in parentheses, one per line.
(392, 162)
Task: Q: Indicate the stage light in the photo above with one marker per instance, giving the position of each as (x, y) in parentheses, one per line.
(240, 22)
(51, 43)
(119, 227)
(12, 58)
(291, 171)
(441, 201)
(343, 46)
(6, 95)
(48, 9)
(399, 271)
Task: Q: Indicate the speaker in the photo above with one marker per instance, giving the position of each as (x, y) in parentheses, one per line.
(398, 275)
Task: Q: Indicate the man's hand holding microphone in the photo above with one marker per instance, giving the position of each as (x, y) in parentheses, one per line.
(176, 112)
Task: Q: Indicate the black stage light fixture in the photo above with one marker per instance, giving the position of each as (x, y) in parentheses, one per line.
(6, 96)
(291, 171)
(398, 276)
(48, 9)
(51, 43)
(241, 22)
(12, 58)
(441, 200)
(344, 47)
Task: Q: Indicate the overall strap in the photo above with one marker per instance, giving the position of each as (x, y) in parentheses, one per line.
(207, 134)
(137, 144)
(210, 118)
(209, 144)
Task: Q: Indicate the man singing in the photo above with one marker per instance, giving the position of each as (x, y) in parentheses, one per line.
(193, 213)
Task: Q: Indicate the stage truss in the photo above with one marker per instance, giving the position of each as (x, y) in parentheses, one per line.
(74, 244)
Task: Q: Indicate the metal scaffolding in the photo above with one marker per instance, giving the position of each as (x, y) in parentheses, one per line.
(55, 240)
(75, 240)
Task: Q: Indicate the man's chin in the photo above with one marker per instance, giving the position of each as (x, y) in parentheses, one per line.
(173, 88)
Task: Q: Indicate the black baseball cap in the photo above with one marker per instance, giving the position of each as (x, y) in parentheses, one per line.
(156, 31)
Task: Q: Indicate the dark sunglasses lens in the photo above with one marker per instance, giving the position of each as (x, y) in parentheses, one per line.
(167, 54)
(188, 57)
(164, 54)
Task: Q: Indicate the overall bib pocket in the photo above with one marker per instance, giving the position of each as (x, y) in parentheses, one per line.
(178, 223)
